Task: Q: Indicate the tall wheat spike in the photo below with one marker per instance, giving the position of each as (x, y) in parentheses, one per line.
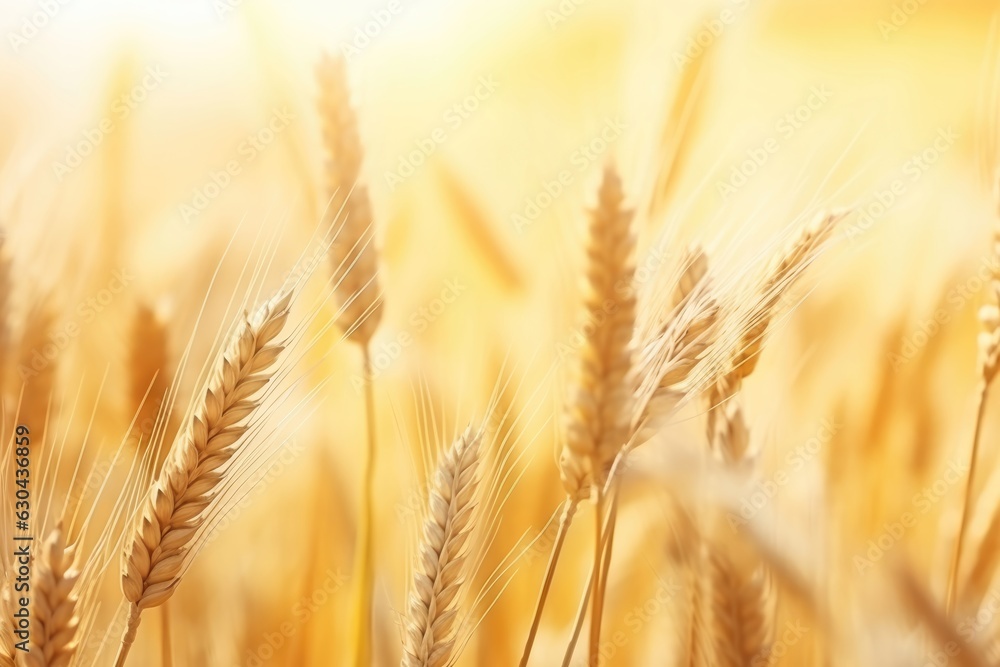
(599, 414)
(598, 417)
(353, 248)
(355, 274)
(179, 501)
(55, 602)
(432, 610)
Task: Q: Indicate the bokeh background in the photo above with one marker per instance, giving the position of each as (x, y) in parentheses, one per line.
(121, 118)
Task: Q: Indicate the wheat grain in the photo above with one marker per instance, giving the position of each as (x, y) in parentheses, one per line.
(55, 600)
(432, 610)
(349, 213)
(180, 500)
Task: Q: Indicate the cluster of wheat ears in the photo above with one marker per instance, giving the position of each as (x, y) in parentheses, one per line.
(648, 351)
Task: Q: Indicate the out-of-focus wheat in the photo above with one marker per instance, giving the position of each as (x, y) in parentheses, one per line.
(349, 213)
(355, 274)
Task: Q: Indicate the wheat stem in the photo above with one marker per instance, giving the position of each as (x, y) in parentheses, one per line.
(364, 556)
(564, 522)
(956, 557)
(128, 637)
(595, 578)
(166, 642)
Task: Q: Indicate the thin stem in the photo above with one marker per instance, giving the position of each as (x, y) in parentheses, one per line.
(128, 637)
(956, 558)
(581, 614)
(564, 523)
(365, 581)
(609, 539)
(166, 644)
(595, 579)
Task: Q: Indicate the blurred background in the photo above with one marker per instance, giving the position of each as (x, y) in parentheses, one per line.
(147, 143)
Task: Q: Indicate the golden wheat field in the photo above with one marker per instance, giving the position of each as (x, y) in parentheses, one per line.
(547, 332)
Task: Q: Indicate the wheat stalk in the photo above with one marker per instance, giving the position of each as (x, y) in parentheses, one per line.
(599, 414)
(355, 274)
(55, 604)
(989, 363)
(179, 501)
(437, 582)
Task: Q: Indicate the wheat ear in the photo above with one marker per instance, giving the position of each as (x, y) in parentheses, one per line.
(355, 274)
(672, 356)
(789, 266)
(437, 582)
(180, 500)
(989, 363)
(349, 212)
(54, 604)
(599, 412)
(598, 417)
(741, 627)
